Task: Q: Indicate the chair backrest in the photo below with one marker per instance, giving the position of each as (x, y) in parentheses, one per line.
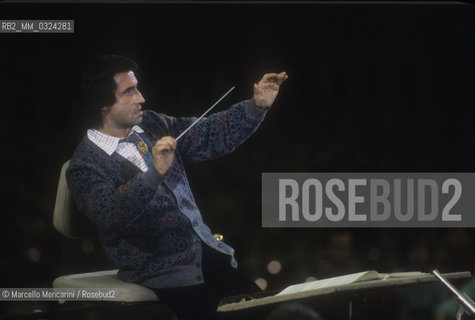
(66, 218)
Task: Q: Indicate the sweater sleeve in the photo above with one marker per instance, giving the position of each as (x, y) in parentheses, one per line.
(219, 134)
(110, 208)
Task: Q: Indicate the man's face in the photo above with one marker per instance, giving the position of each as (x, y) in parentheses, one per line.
(127, 109)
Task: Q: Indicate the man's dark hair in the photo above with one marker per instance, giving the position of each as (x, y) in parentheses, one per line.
(98, 86)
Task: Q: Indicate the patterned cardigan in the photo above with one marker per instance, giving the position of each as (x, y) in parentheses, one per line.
(148, 223)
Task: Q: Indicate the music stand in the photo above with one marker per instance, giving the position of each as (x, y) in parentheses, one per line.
(465, 302)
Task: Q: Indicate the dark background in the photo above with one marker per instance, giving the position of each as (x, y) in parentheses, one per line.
(371, 88)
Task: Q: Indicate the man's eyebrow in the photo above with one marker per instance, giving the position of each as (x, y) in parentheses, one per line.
(127, 89)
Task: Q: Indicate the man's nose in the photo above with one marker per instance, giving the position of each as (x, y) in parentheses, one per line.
(140, 97)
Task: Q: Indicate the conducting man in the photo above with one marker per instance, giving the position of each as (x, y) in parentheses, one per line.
(128, 176)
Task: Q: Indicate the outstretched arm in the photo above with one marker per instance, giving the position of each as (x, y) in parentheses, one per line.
(222, 132)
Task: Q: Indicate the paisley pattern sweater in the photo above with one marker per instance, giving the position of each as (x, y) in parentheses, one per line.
(148, 223)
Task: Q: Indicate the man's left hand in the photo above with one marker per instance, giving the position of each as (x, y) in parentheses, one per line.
(265, 91)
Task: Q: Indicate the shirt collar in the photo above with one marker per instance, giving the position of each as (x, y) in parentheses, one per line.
(106, 142)
(137, 129)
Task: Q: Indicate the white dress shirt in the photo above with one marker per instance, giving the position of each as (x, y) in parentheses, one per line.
(111, 144)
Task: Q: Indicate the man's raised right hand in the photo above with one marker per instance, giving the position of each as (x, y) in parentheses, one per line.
(163, 154)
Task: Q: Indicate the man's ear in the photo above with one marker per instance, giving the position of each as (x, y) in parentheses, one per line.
(104, 112)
